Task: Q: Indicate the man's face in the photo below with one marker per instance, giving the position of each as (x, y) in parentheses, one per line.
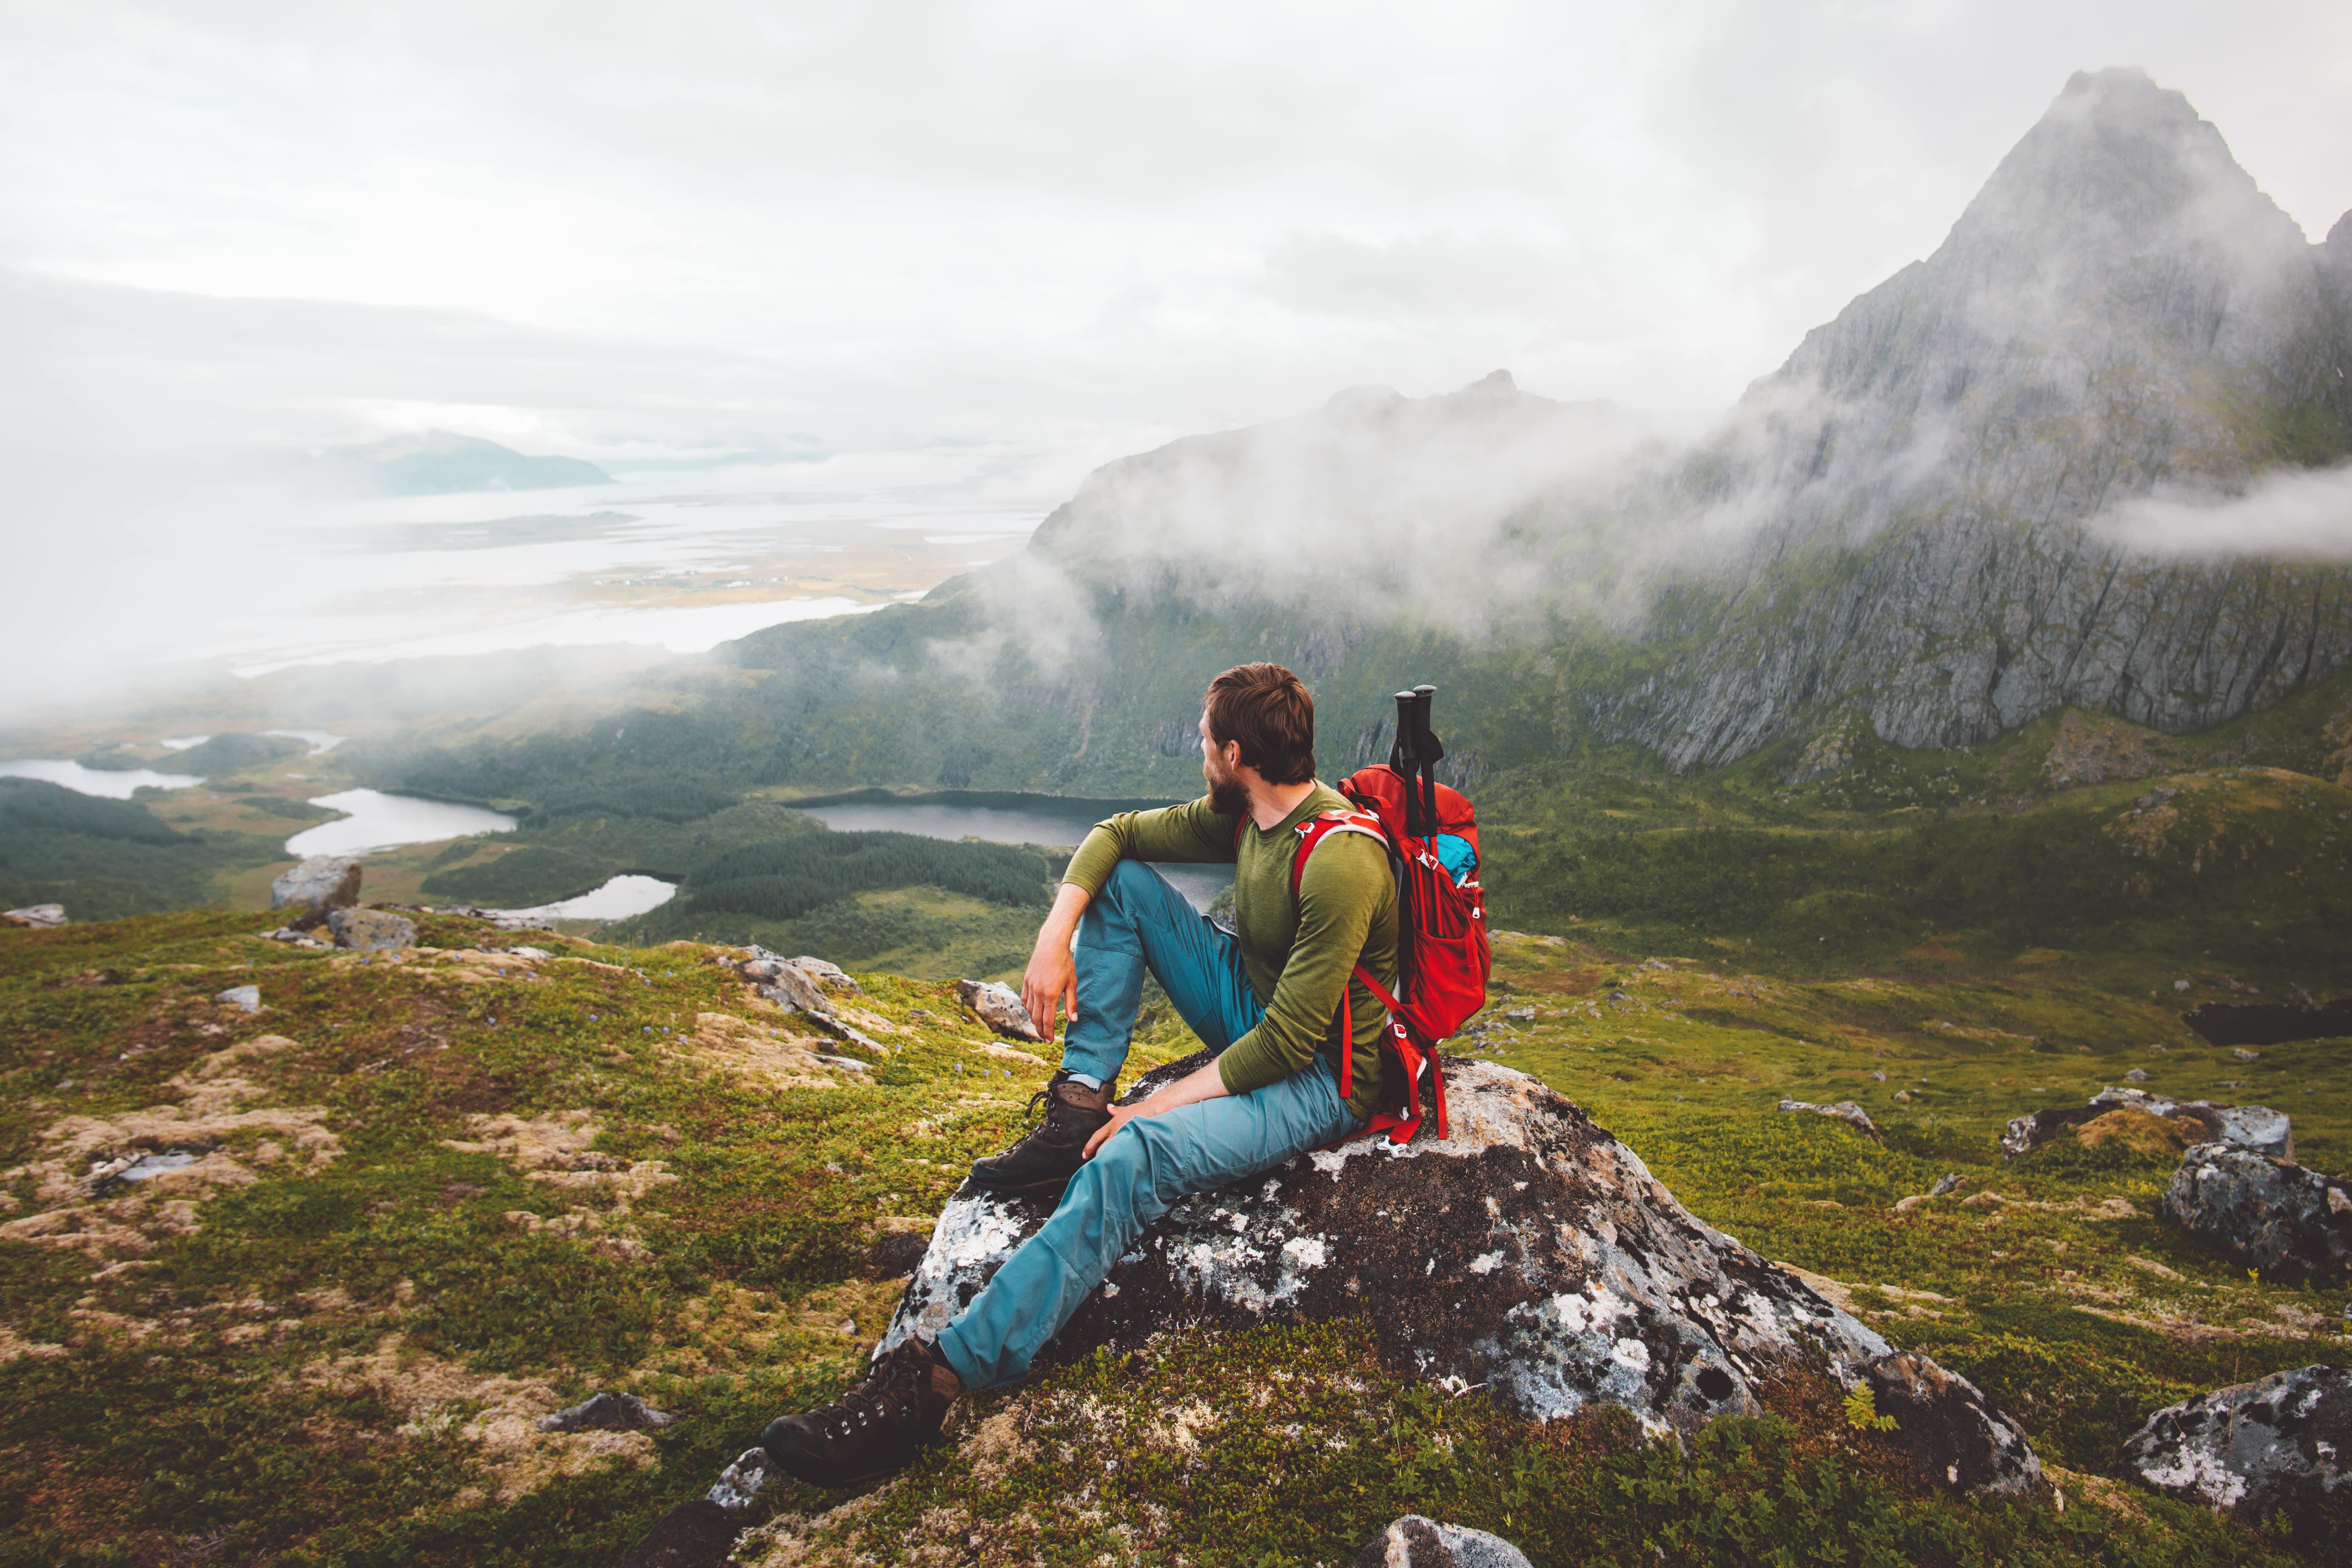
(1227, 793)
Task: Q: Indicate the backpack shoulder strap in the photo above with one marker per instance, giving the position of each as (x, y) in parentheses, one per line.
(1321, 826)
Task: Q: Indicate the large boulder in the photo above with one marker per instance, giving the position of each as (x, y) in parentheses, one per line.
(2256, 1128)
(371, 931)
(2270, 1214)
(1530, 1254)
(1948, 1432)
(1414, 1542)
(2279, 1444)
(998, 1005)
(321, 882)
(36, 917)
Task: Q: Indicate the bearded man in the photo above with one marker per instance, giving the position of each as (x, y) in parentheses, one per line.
(1264, 998)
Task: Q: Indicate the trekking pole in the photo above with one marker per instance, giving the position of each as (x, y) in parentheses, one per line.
(1428, 751)
(1404, 758)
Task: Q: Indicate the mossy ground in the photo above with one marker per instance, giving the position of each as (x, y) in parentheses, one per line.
(615, 1168)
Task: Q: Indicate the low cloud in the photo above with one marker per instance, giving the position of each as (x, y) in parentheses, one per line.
(2303, 515)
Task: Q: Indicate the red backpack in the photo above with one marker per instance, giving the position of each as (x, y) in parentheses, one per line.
(1443, 956)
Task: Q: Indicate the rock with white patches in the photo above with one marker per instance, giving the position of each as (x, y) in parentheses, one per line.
(2270, 1214)
(1414, 1542)
(2274, 1446)
(1529, 1253)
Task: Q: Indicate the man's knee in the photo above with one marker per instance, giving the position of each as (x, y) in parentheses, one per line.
(1129, 879)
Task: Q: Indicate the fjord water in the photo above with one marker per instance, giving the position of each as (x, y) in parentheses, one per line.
(1056, 821)
(618, 899)
(380, 821)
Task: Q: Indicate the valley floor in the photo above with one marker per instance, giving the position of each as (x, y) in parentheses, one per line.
(430, 1197)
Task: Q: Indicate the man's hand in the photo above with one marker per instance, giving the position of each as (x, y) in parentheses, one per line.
(1050, 980)
(1204, 1082)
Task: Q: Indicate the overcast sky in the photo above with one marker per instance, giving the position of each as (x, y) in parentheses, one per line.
(1074, 228)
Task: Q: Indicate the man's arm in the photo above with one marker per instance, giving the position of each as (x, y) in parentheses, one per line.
(1052, 978)
(1344, 885)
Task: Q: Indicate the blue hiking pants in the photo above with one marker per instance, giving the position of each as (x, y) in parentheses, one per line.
(1137, 923)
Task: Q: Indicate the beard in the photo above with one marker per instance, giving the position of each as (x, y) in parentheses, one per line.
(1228, 794)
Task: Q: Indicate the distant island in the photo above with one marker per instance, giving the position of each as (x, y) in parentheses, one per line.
(440, 463)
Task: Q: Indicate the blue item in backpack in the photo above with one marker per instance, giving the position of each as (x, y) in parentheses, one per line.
(1457, 856)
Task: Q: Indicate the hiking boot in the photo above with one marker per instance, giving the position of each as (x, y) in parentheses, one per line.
(873, 1429)
(1050, 1154)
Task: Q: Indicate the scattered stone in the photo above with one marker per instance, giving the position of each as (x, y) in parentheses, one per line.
(36, 917)
(999, 1008)
(1542, 1262)
(1944, 1184)
(608, 1412)
(2270, 1214)
(2244, 1054)
(1414, 1542)
(246, 998)
(2136, 1075)
(1845, 1110)
(529, 952)
(321, 882)
(1525, 1015)
(294, 938)
(371, 931)
(2276, 1445)
(2254, 1127)
(1948, 1432)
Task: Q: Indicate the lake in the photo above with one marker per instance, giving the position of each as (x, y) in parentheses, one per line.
(380, 821)
(1059, 821)
(105, 782)
(618, 898)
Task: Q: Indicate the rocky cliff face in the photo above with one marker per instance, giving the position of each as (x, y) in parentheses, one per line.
(2120, 310)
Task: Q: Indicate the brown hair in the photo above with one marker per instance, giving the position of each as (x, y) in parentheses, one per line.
(1265, 709)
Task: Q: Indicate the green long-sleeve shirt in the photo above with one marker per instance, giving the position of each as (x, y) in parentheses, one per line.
(1298, 956)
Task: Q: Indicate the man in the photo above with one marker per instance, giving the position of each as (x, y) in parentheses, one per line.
(1264, 999)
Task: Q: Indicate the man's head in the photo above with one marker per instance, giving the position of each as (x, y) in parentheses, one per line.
(1256, 722)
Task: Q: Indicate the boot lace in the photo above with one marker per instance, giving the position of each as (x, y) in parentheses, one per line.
(894, 1386)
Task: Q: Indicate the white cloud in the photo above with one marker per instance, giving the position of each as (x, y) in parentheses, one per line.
(2305, 514)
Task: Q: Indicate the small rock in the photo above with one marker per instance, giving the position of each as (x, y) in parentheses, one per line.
(2136, 1075)
(321, 882)
(998, 1007)
(1903, 1095)
(2276, 1446)
(36, 917)
(2268, 1214)
(371, 931)
(1943, 1185)
(2244, 1054)
(245, 997)
(2254, 1127)
(698, 1534)
(1414, 1542)
(608, 1412)
(1878, 1078)
(1950, 1436)
(1620, 997)
(1845, 1110)
(531, 953)
(1523, 1014)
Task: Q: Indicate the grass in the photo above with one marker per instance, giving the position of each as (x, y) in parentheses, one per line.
(614, 1169)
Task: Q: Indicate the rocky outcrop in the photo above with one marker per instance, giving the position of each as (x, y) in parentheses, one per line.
(1414, 1542)
(2276, 1446)
(800, 985)
(998, 1007)
(36, 917)
(371, 931)
(1528, 1254)
(2270, 1214)
(2255, 1128)
(1845, 1110)
(321, 882)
